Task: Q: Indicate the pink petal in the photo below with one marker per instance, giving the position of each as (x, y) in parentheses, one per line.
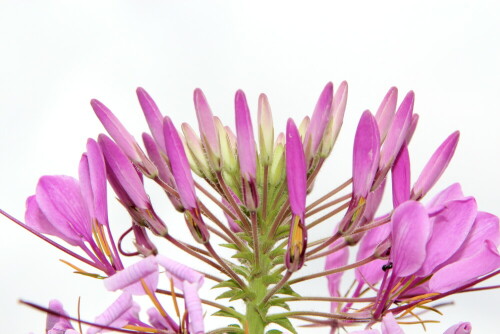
(372, 272)
(193, 307)
(336, 260)
(436, 166)
(401, 178)
(460, 328)
(453, 192)
(449, 230)
(55, 320)
(385, 112)
(410, 232)
(486, 227)
(153, 116)
(159, 322)
(205, 117)
(295, 170)
(390, 326)
(115, 315)
(130, 278)
(365, 155)
(466, 270)
(180, 271)
(246, 143)
(61, 201)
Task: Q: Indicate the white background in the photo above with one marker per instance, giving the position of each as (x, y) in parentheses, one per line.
(57, 55)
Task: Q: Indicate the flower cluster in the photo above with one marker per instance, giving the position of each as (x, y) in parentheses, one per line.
(407, 258)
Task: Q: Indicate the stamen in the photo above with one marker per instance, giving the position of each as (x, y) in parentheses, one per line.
(154, 300)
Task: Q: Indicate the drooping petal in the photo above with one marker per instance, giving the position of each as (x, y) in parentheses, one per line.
(460, 328)
(246, 143)
(398, 132)
(401, 177)
(116, 315)
(193, 307)
(336, 260)
(130, 278)
(319, 120)
(436, 166)
(466, 270)
(266, 130)
(154, 118)
(390, 326)
(410, 232)
(180, 271)
(295, 170)
(61, 201)
(120, 170)
(208, 132)
(449, 230)
(179, 165)
(365, 155)
(385, 112)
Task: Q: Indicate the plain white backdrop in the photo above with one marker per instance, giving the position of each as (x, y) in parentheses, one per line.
(57, 55)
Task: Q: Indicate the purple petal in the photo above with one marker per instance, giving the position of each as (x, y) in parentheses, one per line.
(410, 232)
(193, 307)
(390, 326)
(453, 192)
(123, 172)
(365, 155)
(115, 315)
(295, 170)
(398, 131)
(130, 278)
(179, 164)
(36, 219)
(159, 322)
(336, 260)
(246, 143)
(206, 124)
(180, 271)
(385, 112)
(319, 120)
(153, 116)
(61, 201)
(55, 320)
(372, 272)
(466, 270)
(460, 328)
(449, 230)
(436, 166)
(401, 177)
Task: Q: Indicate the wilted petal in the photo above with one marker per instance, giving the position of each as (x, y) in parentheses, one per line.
(390, 326)
(179, 165)
(246, 143)
(193, 307)
(115, 315)
(130, 278)
(123, 172)
(410, 232)
(365, 155)
(154, 118)
(61, 201)
(460, 328)
(401, 178)
(449, 230)
(266, 130)
(398, 132)
(385, 112)
(436, 166)
(295, 170)
(180, 271)
(208, 132)
(466, 270)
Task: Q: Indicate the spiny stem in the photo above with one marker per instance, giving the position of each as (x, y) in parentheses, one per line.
(329, 204)
(278, 286)
(340, 316)
(223, 263)
(230, 199)
(333, 271)
(327, 299)
(278, 196)
(278, 220)
(255, 236)
(330, 194)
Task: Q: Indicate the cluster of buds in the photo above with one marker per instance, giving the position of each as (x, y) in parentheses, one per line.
(407, 258)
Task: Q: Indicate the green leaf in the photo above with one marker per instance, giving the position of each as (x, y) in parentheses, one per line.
(228, 294)
(224, 313)
(287, 290)
(274, 331)
(285, 323)
(278, 303)
(244, 255)
(242, 271)
(226, 284)
(231, 246)
(277, 252)
(271, 279)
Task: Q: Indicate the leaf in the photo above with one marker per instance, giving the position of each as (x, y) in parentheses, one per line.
(279, 303)
(271, 279)
(277, 252)
(228, 294)
(274, 331)
(230, 246)
(224, 313)
(244, 255)
(285, 323)
(287, 290)
(242, 271)
(226, 284)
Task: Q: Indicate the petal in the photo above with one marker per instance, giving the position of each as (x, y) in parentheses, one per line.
(397, 132)
(486, 227)
(180, 271)
(390, 326)
(55, 320)
(336, 260)
(115, 315)
(401, 177)
(179, 164)
(208, 132)
(410, 232)
(266, 130)
(365, 155)
(385, 112)
(466, 270)
(460, 328)
(295, 170)
(61, 201)
(159, 322)
(246, 143)
(193, 307)
(372, 272)
(449, 230)
(154, 118)
(335, 124)
(451, 193)
(436, 166)
(130, 278)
